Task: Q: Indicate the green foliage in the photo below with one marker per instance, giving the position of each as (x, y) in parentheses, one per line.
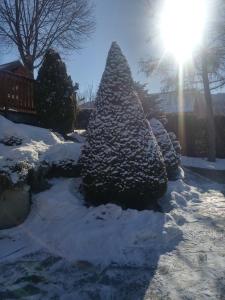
(151, 103)
(170, 156)
(56, 100)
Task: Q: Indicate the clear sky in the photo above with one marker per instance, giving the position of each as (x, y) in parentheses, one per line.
(124, 21)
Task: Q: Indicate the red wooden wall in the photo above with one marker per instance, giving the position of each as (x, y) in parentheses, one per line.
(17, 93)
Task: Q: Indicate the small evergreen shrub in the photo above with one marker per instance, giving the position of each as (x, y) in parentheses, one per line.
(166, 146)
(176, 145)
(56, 101)
(121, 161)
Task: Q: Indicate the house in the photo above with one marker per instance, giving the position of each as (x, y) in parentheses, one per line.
(15, 67)
(173, 103)
(193, 102)
(16, 89)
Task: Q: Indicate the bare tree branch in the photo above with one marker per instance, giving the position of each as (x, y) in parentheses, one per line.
(34, 26)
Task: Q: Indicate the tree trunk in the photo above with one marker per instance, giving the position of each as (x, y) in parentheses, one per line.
(209, 111)
(29, 64)
(30, 70)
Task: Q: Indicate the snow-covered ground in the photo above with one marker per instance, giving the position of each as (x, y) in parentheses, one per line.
(61, 224)
(65, 250)
(69, 251)
(203, 163)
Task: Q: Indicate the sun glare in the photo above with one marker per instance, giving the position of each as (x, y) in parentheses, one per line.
(182, 24)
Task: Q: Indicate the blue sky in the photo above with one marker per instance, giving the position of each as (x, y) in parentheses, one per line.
(124, 21)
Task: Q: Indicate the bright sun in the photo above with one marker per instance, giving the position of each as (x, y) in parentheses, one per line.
(182, 24)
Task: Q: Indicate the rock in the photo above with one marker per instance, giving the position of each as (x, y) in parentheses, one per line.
(38, 178)
(14, 174)
(11, 141)
(14, 206)
(5, 181)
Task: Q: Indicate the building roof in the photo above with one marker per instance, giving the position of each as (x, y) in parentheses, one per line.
(192, 101)
(11, 66)
(171, 102)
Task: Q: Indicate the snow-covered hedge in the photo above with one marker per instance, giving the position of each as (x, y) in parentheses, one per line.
(169, 154)
(176, 145)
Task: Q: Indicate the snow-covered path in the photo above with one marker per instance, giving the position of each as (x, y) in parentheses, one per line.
(194, 268)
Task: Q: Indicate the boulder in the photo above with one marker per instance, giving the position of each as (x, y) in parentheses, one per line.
(14, 206)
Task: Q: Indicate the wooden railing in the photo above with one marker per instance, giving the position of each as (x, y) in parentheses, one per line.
(17, 93)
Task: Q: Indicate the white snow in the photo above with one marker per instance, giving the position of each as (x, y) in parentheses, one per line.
(203, 163)
(63, 225)
(38, 145)
(78, 135)
(185, 246)
(62, 152)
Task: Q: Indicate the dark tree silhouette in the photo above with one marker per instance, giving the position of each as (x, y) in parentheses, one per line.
(151, 103)
(56, 101)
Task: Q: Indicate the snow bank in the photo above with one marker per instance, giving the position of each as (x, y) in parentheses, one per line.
(66, 151)
(38, 145)
(78, 135)
(203, 163)
(27, 133)
(60, 223)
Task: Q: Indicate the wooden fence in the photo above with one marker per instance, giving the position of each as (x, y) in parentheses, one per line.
(17, 93)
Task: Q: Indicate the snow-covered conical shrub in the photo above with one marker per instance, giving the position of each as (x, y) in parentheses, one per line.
(121, 161)
(166, 146)
(176, 144)
(56, 101)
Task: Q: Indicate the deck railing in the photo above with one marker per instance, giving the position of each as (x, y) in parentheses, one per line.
(17, 93)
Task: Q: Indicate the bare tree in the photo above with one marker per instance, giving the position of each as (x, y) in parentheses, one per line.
(207, 71)
(34, 26)
(88, 95)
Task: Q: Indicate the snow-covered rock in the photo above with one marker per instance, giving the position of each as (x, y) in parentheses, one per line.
(14, 206)
(37, 145)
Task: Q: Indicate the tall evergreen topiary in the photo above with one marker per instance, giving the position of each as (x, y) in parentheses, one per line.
(166, 146)
(121, 161)
(56, 101)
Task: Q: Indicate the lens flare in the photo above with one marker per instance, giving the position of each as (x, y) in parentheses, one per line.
(182, 24)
